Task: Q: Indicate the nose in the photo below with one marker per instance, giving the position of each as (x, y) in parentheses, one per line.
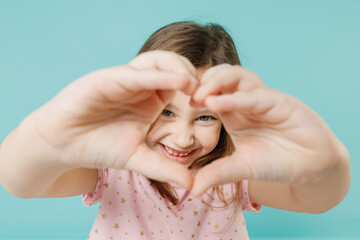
(183, 135)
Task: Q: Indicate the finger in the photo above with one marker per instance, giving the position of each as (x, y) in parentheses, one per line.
(214, 81)
(221, 171)
(155, 166)
(268, 105)
(238, 101)
(151, 79)
(195, 104)
(115, 83)
(163, 60)
(226, 79)
(189, 65)
(209, 73)
(169, 62)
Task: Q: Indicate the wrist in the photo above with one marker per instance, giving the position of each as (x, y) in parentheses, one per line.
(28, 164)
(327, 188)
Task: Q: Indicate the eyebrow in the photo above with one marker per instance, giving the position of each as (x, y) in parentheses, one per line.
(206, 112)
(196, 113)
(171, 106)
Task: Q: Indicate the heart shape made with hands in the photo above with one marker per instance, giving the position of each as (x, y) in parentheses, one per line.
(216, 88)
(275, 136)
(268, 128)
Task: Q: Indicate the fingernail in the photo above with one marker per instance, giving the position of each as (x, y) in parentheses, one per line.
(199, 95)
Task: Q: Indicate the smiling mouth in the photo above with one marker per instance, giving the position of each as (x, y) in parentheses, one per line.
(179, 156)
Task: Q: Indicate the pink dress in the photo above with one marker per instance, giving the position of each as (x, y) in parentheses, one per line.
(131, 209)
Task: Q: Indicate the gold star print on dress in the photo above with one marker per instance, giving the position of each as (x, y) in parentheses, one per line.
(130, 208)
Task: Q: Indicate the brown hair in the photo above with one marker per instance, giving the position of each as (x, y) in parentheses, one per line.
(205, 46)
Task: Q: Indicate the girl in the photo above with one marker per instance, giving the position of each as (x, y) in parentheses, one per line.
(165, 169)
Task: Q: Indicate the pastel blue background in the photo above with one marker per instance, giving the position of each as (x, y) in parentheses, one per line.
(310, 49)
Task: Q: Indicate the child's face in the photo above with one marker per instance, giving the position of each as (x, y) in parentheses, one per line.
(183, 133)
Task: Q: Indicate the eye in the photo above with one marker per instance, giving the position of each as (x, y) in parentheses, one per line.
(167, 113)
(205, 118)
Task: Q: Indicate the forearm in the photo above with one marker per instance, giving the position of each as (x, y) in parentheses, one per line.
(323, 192)
(28, 165)
(316, 194)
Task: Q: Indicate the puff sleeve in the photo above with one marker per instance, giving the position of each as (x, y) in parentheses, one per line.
(94, 197)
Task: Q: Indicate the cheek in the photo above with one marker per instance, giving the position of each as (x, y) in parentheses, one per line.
(154, 134)
(209, 137)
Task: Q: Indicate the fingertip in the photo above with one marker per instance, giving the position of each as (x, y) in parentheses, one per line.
(199, 186)
(196, 193)
(179, 174)
(194, 79)
(184, 179)
(199, 95)
(195, 104)
(191, 86)
(212, 104)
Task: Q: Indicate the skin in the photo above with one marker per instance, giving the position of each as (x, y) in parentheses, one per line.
(86, 126)
(290, 156)
(183, 129)
(287, 152)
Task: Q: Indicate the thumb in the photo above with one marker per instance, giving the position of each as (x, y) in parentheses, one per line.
(155, 166)
(221, 171)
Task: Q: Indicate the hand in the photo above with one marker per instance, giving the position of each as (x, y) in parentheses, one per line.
(276, 137)
(101, 119)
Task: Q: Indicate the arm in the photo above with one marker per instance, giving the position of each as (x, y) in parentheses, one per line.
(30, 167)
(318, 195)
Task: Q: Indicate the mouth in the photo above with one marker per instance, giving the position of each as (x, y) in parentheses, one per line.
(179, 156)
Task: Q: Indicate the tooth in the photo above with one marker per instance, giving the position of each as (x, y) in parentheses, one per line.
(176, 154)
